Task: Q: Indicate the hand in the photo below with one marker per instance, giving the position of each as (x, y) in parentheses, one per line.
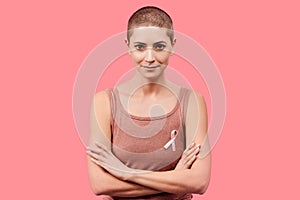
(188, 157)
(103, 157)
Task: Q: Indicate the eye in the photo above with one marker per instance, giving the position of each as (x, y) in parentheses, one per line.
(139, 47)
(159, 47)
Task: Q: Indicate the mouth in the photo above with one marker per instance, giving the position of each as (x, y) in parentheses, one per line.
(151, 67)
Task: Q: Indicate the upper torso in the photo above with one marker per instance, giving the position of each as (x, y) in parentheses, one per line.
(138, 141)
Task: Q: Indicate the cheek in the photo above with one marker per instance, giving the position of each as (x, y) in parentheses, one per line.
(163, 57)
(137, 57)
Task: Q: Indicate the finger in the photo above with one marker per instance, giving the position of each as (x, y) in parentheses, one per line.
(186, 151)
(94, 161)
(102, 164)
(191, 161)
(101, 146)
(94, 150)
(98, 151)
(191, 145)
(94, 155)
(97, 162)
(193, 152)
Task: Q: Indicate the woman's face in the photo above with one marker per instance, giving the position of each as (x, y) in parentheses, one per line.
(150, 48)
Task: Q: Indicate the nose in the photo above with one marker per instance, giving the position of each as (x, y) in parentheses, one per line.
(149, 57)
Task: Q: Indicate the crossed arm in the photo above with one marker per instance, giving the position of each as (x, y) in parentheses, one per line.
(110, 176)
(118, 179)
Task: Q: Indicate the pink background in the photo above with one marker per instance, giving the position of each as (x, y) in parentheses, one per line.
(255, 45)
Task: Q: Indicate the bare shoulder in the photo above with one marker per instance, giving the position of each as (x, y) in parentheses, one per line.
(102, 96)
(101, 101)
(101, 106)
(196, 119)
(100, 118)
(196, 100)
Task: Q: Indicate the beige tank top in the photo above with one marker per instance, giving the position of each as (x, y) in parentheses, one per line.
(142, 142)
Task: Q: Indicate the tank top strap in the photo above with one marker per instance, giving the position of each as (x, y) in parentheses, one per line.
(113, 106)
(183, 96)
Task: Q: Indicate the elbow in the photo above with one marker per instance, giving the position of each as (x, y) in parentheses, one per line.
(98, 182)
(201, 188)
(99, 189)
(195, 187)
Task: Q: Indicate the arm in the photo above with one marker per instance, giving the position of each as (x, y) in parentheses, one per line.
(170, 181)
(102, 182)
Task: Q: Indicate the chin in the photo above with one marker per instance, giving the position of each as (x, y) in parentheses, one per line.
(152, 75)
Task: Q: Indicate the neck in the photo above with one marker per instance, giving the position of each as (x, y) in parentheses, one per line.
(149, 86)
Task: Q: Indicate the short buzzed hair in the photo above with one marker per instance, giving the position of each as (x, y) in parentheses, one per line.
(150, 16)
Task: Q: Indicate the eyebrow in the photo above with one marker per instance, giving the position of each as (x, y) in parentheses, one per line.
(160, 42)
(153, 44)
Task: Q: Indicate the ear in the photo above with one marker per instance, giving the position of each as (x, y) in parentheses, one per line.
(174, 42)
(173, 46)
(127, 43)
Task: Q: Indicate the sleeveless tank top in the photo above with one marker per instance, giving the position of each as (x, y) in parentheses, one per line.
(139, 142)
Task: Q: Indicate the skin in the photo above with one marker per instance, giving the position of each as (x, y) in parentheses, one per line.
(150, 49)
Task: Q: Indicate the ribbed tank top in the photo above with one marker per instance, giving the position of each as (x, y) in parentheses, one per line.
(139, 141)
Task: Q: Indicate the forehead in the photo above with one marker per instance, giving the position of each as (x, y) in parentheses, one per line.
(149, 34)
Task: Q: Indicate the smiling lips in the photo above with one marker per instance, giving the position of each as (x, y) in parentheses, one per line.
(150, 67)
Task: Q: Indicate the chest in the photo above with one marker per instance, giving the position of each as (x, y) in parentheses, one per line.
(139, 143)
(148, 107)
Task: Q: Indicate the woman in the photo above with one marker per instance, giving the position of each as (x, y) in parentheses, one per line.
(146, 133)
